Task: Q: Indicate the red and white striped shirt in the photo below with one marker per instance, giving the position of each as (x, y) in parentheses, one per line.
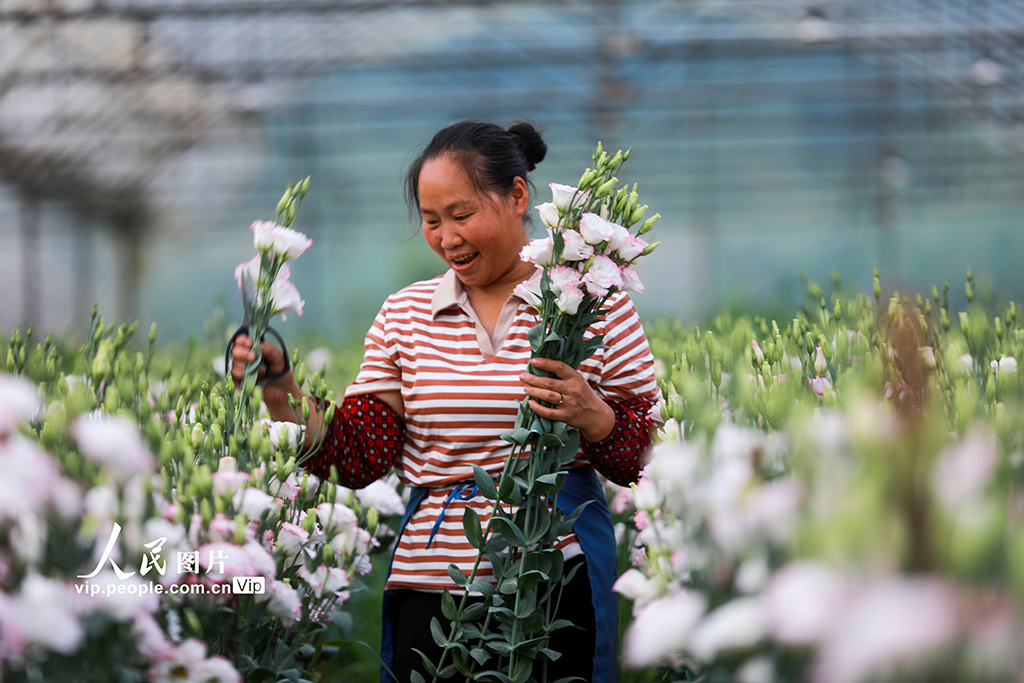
(461, 391)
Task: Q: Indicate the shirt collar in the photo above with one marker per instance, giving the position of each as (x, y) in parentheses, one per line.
(450, 293)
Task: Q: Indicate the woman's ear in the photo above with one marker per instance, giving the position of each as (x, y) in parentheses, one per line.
(519, 197)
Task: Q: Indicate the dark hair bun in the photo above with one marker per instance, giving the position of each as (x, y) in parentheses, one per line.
(533, 145)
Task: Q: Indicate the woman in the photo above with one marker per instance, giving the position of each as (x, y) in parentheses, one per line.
(443, 370)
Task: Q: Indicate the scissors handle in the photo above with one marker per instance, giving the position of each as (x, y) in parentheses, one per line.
(244, 329)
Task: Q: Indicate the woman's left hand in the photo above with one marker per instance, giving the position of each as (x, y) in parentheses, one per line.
(572, 399)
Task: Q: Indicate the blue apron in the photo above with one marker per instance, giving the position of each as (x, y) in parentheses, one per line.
(597, 540)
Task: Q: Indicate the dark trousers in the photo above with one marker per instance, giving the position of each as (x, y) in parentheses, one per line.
(413, 611)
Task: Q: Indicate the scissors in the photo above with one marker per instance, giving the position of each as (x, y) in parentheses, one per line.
(249, 295)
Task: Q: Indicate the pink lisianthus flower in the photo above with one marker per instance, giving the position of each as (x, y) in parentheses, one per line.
(569, 300)
(564, 277)
(602, 275)
(382, 496)
(562, 195)
(285, 242)
(595, 229)
(631, 248)
(249, 270)
(529, 290)
(631, 281)
(283, 602)
(575, 248)
(115, 444)
(291, 538)
(285, 295)
(539, 251)
(819, 384)
(549, 214)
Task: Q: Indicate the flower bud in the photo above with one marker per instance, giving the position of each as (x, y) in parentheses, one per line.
(648, 224)
(820, 364)
(372, 520)
(305, 186)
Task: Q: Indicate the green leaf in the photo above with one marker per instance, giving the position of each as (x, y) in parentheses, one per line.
(448, 671)
(474, 612)
(483, 587)
(512, 534)
(485, 484)
(429, 665)
(507, 587)
(504, 488)
(550, 654)
(492, 676)
(532, 579)
(481, 655)
(522, 670)
(417, 677)
(456, 574)
(500, 646)
(437, 633)
(471, 525)
(527, 603)
(559, 623)
(448, 605)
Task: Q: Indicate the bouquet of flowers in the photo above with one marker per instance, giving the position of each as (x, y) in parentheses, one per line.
(587, 256)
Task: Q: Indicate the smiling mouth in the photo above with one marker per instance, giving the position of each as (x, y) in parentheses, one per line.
(462, 260)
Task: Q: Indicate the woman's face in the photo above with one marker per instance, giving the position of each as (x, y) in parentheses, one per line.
(478, 235)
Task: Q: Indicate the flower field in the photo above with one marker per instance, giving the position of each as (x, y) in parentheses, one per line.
(835, 497)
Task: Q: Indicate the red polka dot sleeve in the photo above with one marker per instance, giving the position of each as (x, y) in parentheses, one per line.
(620, 455)
(362, 442)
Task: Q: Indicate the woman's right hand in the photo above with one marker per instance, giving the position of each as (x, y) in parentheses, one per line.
(276, 390)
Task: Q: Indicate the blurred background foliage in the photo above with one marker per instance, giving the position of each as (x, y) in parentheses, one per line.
(140, 138)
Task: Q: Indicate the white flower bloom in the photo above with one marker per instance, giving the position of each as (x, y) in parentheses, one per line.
(215, 670)
(150, 638)
(631, 281)
(382, 496)
(756, 670)
(263, 235)
(285, 295)
(290, 243)
(30, 478)
(548, 213)
(529, 290)
(964, 471)
(249, 270)
(634, 585)
(1006, 364)
(663, 628)
(288, 432)
(602, 275)
(802, 601)
(564, 277)
(335, 517)
(183, 661)
(351, 541)
(253, 503)
(291, 538)
(114, 443)
(574, 248)
(569, 300)
(736, 625)
(539, 251)
(631, 248)
(891, 623)
(124, 606)
(562, 195)
(595, 229)
(20, 400)
(42, 613)
(283, 601)
(619, 237)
